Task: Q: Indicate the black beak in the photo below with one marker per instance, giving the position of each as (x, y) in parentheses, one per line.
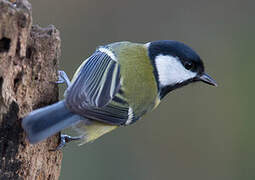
(208, 79)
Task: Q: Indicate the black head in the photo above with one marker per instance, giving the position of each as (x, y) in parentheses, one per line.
(176, 65)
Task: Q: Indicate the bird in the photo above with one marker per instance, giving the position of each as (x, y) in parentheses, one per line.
(115, 87)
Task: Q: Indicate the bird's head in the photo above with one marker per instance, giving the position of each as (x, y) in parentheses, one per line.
(175, 65)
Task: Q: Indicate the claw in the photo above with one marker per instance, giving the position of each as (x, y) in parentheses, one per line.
(60, 81)
(63, 78)
(64, 139)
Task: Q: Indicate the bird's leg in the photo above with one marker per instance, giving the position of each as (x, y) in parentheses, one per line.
(63, 78)
(64, 139)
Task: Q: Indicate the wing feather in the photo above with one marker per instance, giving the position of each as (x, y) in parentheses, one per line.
(96, 93)
(97, 82)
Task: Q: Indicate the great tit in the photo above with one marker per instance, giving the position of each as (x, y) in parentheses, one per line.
(115, 87)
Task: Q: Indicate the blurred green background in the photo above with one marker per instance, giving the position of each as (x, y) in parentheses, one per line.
(198, 132)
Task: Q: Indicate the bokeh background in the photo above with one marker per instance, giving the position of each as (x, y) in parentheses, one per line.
(198, 132)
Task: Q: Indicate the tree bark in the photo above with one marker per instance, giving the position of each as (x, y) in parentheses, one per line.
(28, 69)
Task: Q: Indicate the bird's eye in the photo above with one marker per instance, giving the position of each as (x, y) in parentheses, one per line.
(189, 65)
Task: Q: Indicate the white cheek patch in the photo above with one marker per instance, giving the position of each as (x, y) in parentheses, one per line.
(171, 71)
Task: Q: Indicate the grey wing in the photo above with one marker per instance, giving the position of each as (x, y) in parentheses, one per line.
(110, 114)
(96, 83)
(94, 93)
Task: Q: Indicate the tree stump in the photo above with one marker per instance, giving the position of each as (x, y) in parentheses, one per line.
(28, 69)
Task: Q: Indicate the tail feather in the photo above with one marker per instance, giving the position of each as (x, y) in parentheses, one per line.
(47, 121)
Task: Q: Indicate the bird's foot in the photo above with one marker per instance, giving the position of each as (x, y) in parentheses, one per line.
(63, 78)
(64, 139)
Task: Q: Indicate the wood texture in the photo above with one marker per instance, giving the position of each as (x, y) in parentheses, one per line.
(28, 69)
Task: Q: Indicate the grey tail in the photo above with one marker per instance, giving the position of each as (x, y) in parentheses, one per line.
(47, 121)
